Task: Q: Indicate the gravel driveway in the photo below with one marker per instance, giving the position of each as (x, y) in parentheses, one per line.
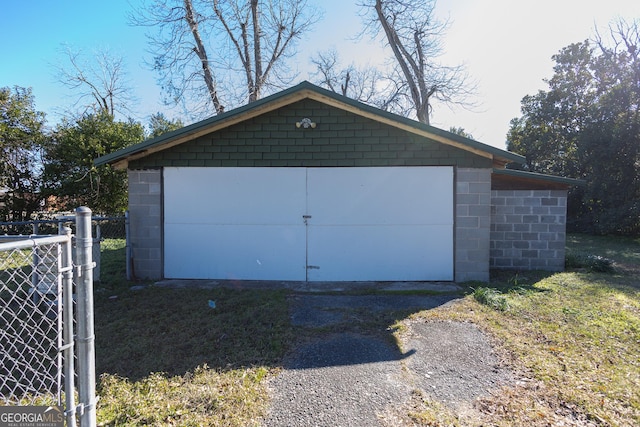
(350, 376)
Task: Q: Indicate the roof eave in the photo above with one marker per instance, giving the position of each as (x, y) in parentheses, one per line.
(569, 182)
(499, 157)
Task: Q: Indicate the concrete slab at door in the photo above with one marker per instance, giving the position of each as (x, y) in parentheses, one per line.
(387, 223)
(234, 223)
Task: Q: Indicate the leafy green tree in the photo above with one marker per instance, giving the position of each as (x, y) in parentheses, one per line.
(547, 133)
(587, 125)
(460, 131)
(610, 145)
(159, 124)
(69, 172)
(21, 138)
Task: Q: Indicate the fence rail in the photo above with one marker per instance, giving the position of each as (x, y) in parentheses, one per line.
(42, 322)
(103, 226)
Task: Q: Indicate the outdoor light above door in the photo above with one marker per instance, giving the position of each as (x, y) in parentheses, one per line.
(306, 123)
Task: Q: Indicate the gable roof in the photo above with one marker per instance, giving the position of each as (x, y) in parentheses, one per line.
(304, 90)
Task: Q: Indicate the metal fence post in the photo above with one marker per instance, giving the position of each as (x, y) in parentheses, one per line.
(96, 253)
(85, 338)
(67, 329)
(127, 238)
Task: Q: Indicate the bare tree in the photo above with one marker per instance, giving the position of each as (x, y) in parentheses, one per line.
(366, 84)
(623, 46)
(360, 83)
(192, 19)
(197, 44)
(97, 81)
(414, 35)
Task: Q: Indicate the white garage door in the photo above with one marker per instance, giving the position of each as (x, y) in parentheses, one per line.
(317, 224)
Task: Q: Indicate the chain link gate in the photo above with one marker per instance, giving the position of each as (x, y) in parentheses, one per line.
(42, 321)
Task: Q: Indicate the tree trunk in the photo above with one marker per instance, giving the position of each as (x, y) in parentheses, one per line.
(254, 92)
(410, 69)
(202, 55)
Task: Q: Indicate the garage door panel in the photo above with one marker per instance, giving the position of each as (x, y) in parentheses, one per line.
(234, 223)
(243, 252)
(382, 195)
(380, 253)
(385, 223)
(234, 195)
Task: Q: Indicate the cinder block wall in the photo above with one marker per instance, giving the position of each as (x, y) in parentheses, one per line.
(145, 222)
(473, 222)
(528, 229)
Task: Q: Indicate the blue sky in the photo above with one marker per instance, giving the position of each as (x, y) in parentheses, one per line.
(34, 35)
(506, 45)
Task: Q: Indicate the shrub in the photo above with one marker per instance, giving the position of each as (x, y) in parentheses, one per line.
(594, 263)
(599, 264)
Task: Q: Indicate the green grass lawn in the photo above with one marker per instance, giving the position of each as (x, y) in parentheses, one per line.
(165, 357)
(573, 338)
(623, 250)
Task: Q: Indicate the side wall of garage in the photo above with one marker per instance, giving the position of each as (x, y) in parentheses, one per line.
(528, 229)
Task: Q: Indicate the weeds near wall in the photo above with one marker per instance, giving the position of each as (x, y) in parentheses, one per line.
(593, 263)
(491, 297)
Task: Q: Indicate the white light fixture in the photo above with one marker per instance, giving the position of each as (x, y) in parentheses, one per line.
(306, 123)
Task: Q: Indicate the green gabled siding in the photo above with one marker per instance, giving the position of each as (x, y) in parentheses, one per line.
(340, 138)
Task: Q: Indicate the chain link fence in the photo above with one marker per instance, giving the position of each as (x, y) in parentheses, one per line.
(31, 319)
(46, 315)
(103, 227)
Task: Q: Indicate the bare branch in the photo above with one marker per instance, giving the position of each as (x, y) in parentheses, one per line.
(365, 84)
(98, 82)
(200, 50)
(232, 46)
(414, 36)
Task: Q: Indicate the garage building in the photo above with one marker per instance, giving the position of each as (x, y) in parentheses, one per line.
(308, 185)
